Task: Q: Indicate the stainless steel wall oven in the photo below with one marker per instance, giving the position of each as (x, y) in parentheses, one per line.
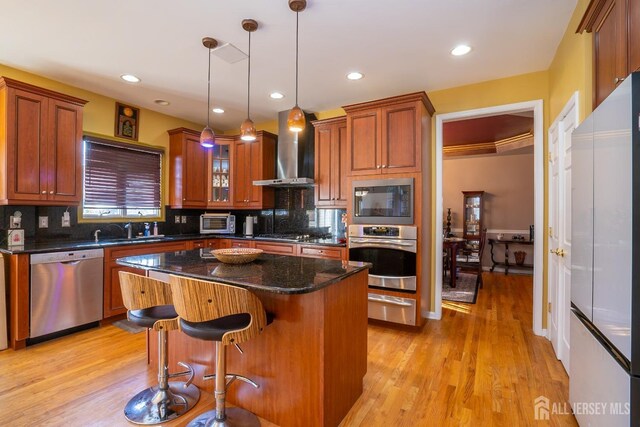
(392, 251)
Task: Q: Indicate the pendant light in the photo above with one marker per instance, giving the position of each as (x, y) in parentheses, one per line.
(295, 120)
(207, 136)
(247, 129)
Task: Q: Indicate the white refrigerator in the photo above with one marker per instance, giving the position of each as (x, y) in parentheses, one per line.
(604, 379)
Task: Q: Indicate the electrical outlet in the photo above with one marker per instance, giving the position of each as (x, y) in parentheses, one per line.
(43, 222)
(255, 219)
(177, 220)
(184, 219)
(66, 220)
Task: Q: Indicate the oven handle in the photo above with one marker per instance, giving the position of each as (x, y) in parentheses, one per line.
(381, 244)
(390, 302)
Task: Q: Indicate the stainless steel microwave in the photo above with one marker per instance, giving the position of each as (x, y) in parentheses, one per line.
(220, 223)
(383, 201)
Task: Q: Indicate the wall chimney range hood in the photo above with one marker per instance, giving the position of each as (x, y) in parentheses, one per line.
(295, 165)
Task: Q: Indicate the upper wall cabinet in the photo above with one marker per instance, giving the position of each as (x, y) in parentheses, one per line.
(40, 145)
(386, 136)
(220, 178)
(254, 161)
(331, 162)
(616, 52)
(188, 170)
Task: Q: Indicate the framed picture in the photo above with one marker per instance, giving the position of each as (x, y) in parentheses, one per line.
(127, 122)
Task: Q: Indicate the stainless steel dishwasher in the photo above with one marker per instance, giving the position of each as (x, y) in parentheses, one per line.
(66, 290)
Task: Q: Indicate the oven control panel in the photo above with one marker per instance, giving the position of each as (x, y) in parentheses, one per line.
(384, 231)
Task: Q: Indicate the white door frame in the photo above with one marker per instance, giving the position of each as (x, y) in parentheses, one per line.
(538, 189)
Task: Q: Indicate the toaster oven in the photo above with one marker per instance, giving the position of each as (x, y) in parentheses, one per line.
(217, 223)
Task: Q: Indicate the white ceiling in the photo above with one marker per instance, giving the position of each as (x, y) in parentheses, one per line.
(400, 45)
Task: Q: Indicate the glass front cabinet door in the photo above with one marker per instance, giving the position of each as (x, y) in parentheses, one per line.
(220, 185)
(472, 217)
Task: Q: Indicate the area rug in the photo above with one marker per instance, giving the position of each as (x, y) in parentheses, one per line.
(125, 325)
(466, 289)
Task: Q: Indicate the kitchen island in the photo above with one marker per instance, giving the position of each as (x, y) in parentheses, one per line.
(310, 361)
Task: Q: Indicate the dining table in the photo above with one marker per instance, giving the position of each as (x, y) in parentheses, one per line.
(451, 244)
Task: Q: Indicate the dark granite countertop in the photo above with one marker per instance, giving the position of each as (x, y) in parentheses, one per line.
(66, 245)
(272, 273)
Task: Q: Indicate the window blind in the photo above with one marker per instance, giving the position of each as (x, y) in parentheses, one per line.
(121, 177)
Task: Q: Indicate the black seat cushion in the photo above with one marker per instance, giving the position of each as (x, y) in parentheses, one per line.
(148, 316)
(213, 330)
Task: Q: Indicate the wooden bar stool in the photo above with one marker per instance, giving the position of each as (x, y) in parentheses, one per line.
(227, 315)
(148, 302)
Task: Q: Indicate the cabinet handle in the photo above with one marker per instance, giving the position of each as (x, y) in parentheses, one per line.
(618, 80)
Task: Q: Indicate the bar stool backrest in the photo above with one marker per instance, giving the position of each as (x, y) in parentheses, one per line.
(139, 292)
(202, 301)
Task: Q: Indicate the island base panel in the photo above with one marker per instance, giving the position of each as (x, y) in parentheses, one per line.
(309, 363)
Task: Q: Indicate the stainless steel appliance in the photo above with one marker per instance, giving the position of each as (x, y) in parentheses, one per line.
(217, 223)
(605, 246)
(383, 201)
(392, 252)
(66, 290)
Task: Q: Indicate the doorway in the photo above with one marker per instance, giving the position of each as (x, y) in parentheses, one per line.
(538, 150)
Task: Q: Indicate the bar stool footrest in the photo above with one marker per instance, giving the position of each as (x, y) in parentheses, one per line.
(231, 378)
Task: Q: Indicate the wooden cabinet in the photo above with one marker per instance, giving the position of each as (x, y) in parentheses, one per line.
(278, 248)
(188, 170)
(472, 217)
(331, 162)
(113, 304)
(387, 136)
(326, 252)
(616, 29)
(220, 176)
(41, 146)
(254, 161)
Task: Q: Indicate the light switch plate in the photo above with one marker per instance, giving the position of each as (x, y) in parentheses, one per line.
(43, 222)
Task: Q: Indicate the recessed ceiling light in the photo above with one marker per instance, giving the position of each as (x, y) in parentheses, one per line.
(130, 78)
(461, 49)
(354, 75)
(218, 110)
(276, 95)
(162, 102)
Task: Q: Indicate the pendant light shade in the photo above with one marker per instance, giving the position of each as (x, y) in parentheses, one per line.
(295, 120)
(208, 136)
(247, 129)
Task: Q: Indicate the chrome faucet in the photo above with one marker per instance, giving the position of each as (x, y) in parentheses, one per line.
(95, 234)
(128, 227)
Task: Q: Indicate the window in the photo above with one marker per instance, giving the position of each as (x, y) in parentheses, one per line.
(121, 180)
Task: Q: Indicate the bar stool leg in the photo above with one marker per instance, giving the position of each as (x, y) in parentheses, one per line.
(223, 416)
(167, 400)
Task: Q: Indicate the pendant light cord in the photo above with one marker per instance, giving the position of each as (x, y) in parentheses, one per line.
(249, 77)
(296, 58)
(209, 89)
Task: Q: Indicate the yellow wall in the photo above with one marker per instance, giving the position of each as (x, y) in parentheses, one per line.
(99, 116)
(272, 125)
(571, 69)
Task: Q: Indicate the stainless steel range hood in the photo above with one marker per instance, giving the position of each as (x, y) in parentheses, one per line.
(295, 155)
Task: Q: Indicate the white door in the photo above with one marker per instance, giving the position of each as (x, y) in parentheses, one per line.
(559, 243)
(553, 320)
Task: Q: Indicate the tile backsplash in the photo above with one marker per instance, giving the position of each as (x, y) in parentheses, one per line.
(294, 212)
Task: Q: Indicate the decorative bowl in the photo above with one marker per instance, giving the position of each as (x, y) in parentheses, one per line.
(236, 255)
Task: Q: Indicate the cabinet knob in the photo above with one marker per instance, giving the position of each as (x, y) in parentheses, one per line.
(184, 199)
(44, 191)
(618, 80)
(384, 166)
(51, 192)
(377, 166)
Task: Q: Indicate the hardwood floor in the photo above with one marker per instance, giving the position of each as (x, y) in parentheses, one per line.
(481, 365)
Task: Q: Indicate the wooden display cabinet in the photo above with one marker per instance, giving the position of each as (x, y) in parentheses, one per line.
(388, 135)
(41, 145)
(472, 217)
(331, 162)
(220, 173)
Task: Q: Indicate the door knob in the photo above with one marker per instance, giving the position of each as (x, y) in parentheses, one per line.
(560, 252)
